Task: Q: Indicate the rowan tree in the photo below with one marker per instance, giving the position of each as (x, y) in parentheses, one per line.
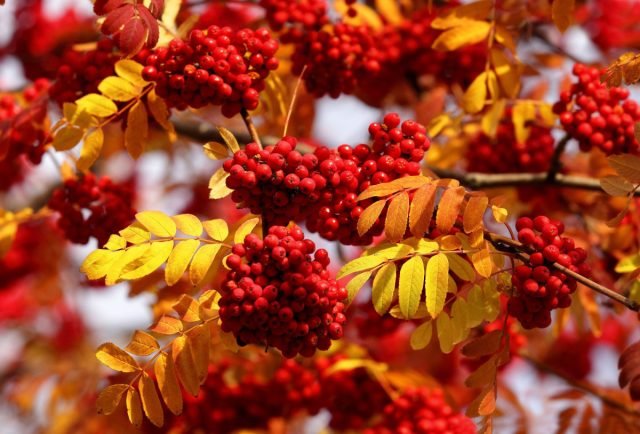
(482, 240)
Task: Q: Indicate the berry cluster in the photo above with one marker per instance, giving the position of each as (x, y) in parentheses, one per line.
(91, 207)
(612, 24)
(597, 116)
(369, 324)
(421, 411)
(82, 71)
(297, 15)
(504, 154)
(276, 295)
(539, 287)
(216, 66)
(321, 188)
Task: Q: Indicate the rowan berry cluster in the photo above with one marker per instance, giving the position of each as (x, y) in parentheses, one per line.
(421, 411)
(539, 287)
(597, 116)
(277, 295)
(216, 66)
(91, 207)
(370, 324)
(81, 72)
(504, 154)
(296, 16)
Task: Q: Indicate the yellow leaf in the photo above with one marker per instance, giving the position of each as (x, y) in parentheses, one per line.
(391, 251)
(130, 256)
(390, 11)
(356, 283)
(118, 89)
(151, 400)
(200, 341)
(98, 263)
(474, 213)
(562, 13)
(216, 151)
(159, 110)
(142, 344)
(165, 371)
(364, 15)
(245, 229)
(461, 268)
(421, 336)
(153, 258)
(157, 223)
(499, 214)
(167, 325)
(449, 242)
(97, 105)
(188, 224)
(616, 185)
(116, 358)
(459, 319)
(135, 136)
(460, 15)
(110, 397)
(134, 407)
(469, 33)
(436, 283)
(421, 210)
(445, 333)
(67, 137)
(218, 186)
(493, 86)
(521, 113)
(482, 262)
(135, 234)
(131, 71)
(91, 149)
(229, 341)
(360, 264)
(202, 261)
(217, 229)
(185, 364)
(507, 73)
(438, 124)
(179, 260)
(627, 166)
(491, 119)
(229, 139)
(449, 208)
(384, 286)
(187, 308)
(410, 286)
(628, 264)
(476, 95)
(369, 216)
(395, 224)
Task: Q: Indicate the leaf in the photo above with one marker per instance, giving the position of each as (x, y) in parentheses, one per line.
(521, 113)
(484, 374)
(185, 365)
(476, 95)
(154, 257)
(135, 233)
(218, 186)
(118, 89)
(421, 336)
(390, 11)
(229, 139)
(482, 262)
(445, 333)
(216, 151)
(217, 229)
(484, 404)
(421, 210)
(436, 282)
(135, 136)
(131, 71)
(628, 264)
(116, 358)
(134, 407)
(150, 400)
(499, 214)
(384, 286)
(627, 166)
(395, 224)
(449, 208)
(360, 264)
(461, 267)
(491, 119)
(369, 216)
(474, 213)
(167, 325)
(97, 105)
(562, 13)
(159, 110)
(132, 36)
(200, 340)
(110, 397)
(462, 14)
(395, 186)
(157, 223)
(616, 185)
(187, 308)
(245, 229)
(202, 261)
(66, 138)
(142, 344)
(91, 149)
(188, 224)
(179, 260)
(165, 371)
(410, 286)
(470, 33)
(355, 284)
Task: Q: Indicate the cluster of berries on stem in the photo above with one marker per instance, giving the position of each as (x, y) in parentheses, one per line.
(217, 66)
(539, 287)
(277, 295)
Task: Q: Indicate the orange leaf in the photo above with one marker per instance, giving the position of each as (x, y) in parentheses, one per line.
(165, 371)
(449, 208)
(369, 216)
(134, 407)
(150, 400)
(397, 215)
(421, 209)
(167, 325)
(474, 212)
(116, 358)
(135, 136)
(484, 345)
(110, 397)
(187, 372)
(142, 344)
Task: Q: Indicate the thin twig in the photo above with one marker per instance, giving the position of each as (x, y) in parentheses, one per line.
(253, 132)
(555, 165)
(293, 101)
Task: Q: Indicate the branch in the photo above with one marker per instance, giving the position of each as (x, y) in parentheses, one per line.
(202, 132)
(555, 165)
(253, 132)
(476, 180)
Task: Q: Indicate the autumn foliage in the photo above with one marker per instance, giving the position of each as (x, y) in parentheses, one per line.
(470, 258)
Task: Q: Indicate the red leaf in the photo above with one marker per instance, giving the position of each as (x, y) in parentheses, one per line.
(634, 390)
(116, 19)
(132, 37)
(103, 7)
(151, 25)
(156, 8)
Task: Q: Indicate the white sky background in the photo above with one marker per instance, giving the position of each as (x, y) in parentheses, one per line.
(113, 316)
